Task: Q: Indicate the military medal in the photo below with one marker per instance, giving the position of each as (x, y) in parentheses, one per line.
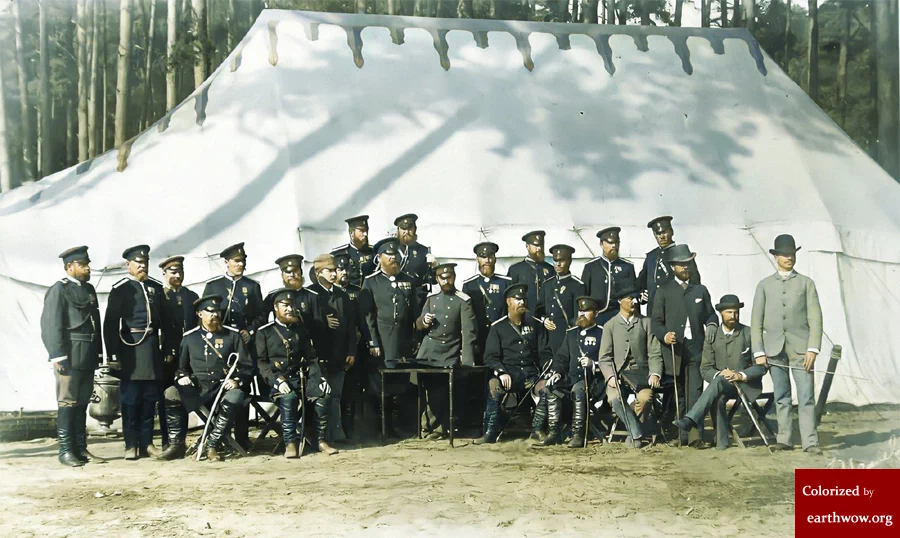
(562, 289)
(219, 343)
(245, 291)
(209, 335)
(179, 300)
(583, 333)
(393, 284)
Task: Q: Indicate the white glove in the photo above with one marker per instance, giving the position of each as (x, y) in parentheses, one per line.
(283, 387)
(325, 387)
(553, 379)
(584, 362)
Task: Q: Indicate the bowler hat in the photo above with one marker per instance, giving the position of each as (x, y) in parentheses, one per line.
(729, 301)
(784, 245)
(679, 254)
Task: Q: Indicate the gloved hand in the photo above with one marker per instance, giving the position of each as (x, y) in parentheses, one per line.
(325, 387)
(283, 387)
(553, 379)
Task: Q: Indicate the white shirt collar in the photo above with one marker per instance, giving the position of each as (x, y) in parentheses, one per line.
(231, 277)
(785, 275)
(680, 282)
(73, 279)
(727, 332)
(627, 320)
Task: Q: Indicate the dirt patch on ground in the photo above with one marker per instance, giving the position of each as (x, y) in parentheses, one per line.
(417, 488)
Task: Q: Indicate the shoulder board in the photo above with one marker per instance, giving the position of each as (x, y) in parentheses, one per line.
(463, 296)
(652, 251)
(576, 279)
(151, 279)
(626, 260)
(470, 279)
(232, 329)
(570, 329)
(376, 273)
(407, 275)
(593, 260)
(311, 291)
(504, 277)
(438, 292)
(64, 280)
(266, 325)
(195, 329)
(499, 320)
(213, 279)
(120, 282)
(342, 247)
(548, 279)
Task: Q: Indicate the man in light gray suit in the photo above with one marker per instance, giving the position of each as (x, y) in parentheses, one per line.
(786, 329)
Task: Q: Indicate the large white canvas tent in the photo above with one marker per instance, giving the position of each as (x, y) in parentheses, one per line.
(486, 130)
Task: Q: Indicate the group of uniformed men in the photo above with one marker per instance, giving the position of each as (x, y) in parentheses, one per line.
(540, 331)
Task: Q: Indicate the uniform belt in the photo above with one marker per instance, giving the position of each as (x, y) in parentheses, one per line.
(81, 337)
(139, 331)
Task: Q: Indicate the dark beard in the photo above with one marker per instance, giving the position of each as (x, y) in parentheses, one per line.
(582, 322)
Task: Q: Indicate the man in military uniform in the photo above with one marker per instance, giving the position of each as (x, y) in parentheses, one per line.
(655, 271)
(179, 315)
(243, 309)
(336, 348)
(575, 358)
(206, 355)
(533, 270)
(516, 352)
(288, 363)
(486, 291)
(448, 321)
(683, 317)
(70, 330)
(134, 317)
(355, 378)
(607, 277)
(308, 304)
(557, 298)
(415, 259)
(361, 258)
(388, 303)
(727, 364)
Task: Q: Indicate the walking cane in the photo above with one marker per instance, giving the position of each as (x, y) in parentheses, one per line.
(215, 405)
(303, 409)
(677, 402)
(587, 394)
(750, 412)
(527, 390)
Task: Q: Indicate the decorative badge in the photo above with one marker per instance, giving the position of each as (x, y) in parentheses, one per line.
(150, 290)
(405, 286)
(545, 271)
(618, 268)
(219, 343)
(364, 259)
(494, 288)
(179, 300)
(562, 290)
(302, 306)
(527, 330)
(590, 341)
(415, 254)
(245, 291)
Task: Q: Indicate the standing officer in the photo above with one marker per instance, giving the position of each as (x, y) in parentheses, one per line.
(307, 302)
(70, 330)
(486, 291)
(448, 321)
(557, 300)
(533, 270)
(355, 378)
(655, 271)
(415, 259)
(134, 316)
(289, 365)
(361, 258)
(608, 277)
(178, 312)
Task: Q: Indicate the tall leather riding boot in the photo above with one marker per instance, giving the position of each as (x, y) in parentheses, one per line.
(540, 419)
(290, 416)
(163, 422)
(335, 421)
(80, 428)
(323, 409)
(130, 430)
(579, 413)
(221, 423)
(492, 414)
(242, 427)
(65, 437)
(348, 415)
(145, 425)
(176, 426)
(554, 413)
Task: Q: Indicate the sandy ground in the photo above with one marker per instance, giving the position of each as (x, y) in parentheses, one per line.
(419, 488)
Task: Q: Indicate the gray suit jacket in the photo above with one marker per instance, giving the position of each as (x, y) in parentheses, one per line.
(733, 352)
(786, 316)
(451, 336)
(619, 339)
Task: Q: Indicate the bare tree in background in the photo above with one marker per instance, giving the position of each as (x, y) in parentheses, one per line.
(46, 147)
(750, 14)
(148, 78)
(171, 68)
(846, 17)
(812, 75)
(81, 18)
(704, 13)
(787, 36)
(679, 9)
(888, 141)
(201, 53)
(93, 118)
(5, 168)
(122, 70)
(29, 164)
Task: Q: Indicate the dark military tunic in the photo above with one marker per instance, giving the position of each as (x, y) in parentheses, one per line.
(134, 317)
(361, 262)
(333, 346)
(414, 262)
(451, 336)
(179, 316)
(70, 324)
(531, 273)
(282, 351)
(522, 352)
(557, 301)
(204, 356)
(487, 302)
(607, 282)
(388, 304)
(577, 343)
(656, 272)
(242, 302)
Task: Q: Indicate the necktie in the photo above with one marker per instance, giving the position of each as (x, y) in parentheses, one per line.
(684, 285)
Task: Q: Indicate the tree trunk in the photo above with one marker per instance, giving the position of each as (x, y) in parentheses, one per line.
(122, 70)
(171, 68)
(623, 12)
(71, 132)
(148, 79)
(29, 171)
(360, 8)
(610, 11)
(679, 8)
(81, 18)
(812, 75)
(750, 14)
(104, 51)
(736, 17)
(201, 49)
(93, 119)
(44, 91)
(232, 30)
(846, 17)
(723, 15)
(5, 168)
(589, 11)
(787, 38)
(645, 12)
(704, 13)
(888, 138)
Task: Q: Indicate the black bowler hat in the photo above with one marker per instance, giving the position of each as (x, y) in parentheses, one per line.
(281, 295)
(535, 238)
(610, 235)
(561, 252)
(210, 303)
(729, 301)
(445, 269)
(170, 261)
(233, 251)
(516, 291)
(660, 224)
(289, 263)
(586, 303)
(76, 254)
(679, 254)
(358, 221)
(137, 253)
(388, 245)
(633, 293)
(784, 245)
(406, 221)
(486, 249)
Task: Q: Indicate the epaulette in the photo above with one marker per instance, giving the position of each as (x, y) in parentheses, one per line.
(64, 280)
(504, 277)
(576, 279)
(342, 247)
(438, 292)
(593, 260)
(232, 329)
(471, 278)
(266, 325)
(120, 282)
(626, 260)
(151, 279)
(499, 320)
(216, 278)
(572, 328)
(189, 331)
(463, 296)
(311, 291)
(373, 274)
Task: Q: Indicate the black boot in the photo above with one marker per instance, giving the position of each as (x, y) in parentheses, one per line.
(348, 415)
(176, 427)
(221, 423)
(579, 412)
(290, 418)
(65, 435)
(554, 412)
(539, 420)
(491, 413)
(323, 406)
(80, 428)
